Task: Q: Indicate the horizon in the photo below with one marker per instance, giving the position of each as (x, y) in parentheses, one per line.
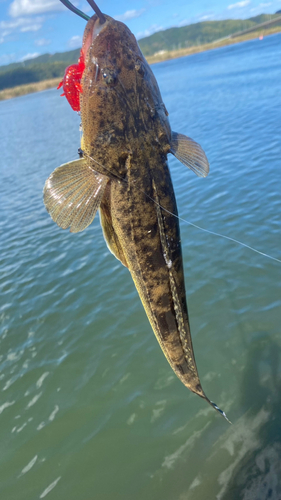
(30, 28)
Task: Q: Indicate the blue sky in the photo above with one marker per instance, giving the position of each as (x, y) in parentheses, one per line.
(32, 27)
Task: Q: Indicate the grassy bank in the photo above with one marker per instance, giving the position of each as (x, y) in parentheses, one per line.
(158, 57)
(29, 88)
(174, 54)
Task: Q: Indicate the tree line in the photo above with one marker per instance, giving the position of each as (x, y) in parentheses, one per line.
(48, 66)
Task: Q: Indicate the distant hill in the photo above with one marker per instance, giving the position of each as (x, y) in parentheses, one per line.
(49, 66)
(66, 57)
(197, 34)
(34, 70)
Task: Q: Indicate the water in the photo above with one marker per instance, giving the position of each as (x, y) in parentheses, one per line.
(89, 407)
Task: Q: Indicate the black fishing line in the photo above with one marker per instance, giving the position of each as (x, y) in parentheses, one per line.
(75, 10)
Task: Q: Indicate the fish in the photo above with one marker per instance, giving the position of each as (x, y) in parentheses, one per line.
(123, 173)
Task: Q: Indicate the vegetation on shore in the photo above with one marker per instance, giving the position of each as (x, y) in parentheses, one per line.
(199, 34)
(28, 88)
(66, 57)
(174, 54)
(47, 70)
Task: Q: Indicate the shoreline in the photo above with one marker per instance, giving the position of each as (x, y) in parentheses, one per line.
(224, 42)
(161, 56)
(28, 88)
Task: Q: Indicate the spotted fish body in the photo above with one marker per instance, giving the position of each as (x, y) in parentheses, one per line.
(124, 172)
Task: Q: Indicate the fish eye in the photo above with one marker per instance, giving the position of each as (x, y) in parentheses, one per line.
(109, 76)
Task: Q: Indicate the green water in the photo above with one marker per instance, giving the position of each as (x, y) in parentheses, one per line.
(89, 407)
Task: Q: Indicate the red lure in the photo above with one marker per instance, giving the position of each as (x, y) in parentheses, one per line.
(71, 82)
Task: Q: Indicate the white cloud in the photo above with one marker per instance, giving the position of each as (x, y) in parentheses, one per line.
(29, 7)
(239, 5)
(42, 41)
(31, 27)
(152, 29)
(29, 56)
(22, 24)
(183, 22)
(260, 8)
(207, 17)
(261, 5)
(75, 42)
(129, 14)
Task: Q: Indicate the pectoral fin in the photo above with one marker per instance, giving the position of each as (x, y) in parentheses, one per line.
(109, 233)
(72, 195)
(190, 154)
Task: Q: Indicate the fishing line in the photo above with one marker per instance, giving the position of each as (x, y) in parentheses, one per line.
(191, 223)
(174, 215)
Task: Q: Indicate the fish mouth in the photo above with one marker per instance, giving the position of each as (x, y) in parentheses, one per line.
(93, 29)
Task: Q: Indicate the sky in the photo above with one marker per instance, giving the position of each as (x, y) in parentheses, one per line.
(29, 28)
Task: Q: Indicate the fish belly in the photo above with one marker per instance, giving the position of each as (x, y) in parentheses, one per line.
(143, 213)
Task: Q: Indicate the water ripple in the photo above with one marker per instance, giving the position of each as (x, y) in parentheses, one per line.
(85, 389)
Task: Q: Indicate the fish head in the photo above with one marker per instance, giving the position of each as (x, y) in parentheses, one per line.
(121, 105)
(109, 50)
